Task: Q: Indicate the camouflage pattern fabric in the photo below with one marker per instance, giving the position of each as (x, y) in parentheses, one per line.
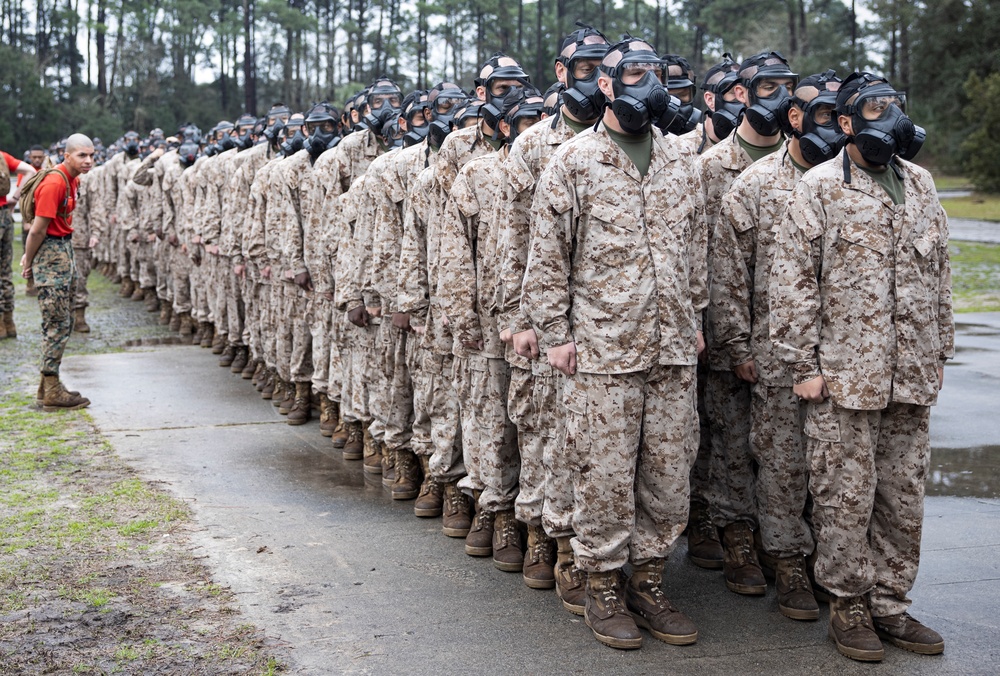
(53, 270)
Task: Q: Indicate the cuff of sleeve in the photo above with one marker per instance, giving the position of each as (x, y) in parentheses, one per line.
(555, 334)
(805, 371)
(354, 304)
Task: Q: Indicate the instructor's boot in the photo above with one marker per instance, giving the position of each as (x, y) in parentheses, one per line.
(241, 361)
(704, 547)
(407, 483)
(508, 554)
(457, 516)
(40, 397)
(431, 497)
(302, 408)
(571, 582)
(539, 560)
(852, 630)
(354, 448)
(8, 324)
(80, 321)
(56, 398)
(227, 356)
(651, 609)
(740, 567)
(795, 595)
(605, 612)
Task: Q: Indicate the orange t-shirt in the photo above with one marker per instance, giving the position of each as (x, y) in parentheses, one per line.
(52, 201)
(12, 164)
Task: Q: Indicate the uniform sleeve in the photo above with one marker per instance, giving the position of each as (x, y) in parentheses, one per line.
(731, 252)
(945, 319)
(457, 271)
(412, 289)
(144, 175)
(515, 224)
(794, 294)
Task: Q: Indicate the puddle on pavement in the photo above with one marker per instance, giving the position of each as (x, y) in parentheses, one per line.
(152, 340)
(965, 472)
(976, 329)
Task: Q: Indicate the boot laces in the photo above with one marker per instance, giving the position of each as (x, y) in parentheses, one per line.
(744, 546)
(797, 578)
(456, 501)
(705, 528)
(508, 532)
(537, 550)
(857, 613)
(611, 599)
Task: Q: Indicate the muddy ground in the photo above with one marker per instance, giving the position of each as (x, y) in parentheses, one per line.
(98, 574)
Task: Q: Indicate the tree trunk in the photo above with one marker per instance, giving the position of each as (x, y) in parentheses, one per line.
(249, 59)
(539, 68)
(793, 40)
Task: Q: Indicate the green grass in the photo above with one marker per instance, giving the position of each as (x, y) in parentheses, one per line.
(975, 276)
(976, 206)
(952, 183)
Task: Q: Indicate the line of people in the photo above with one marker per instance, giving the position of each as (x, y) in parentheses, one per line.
(574, 325)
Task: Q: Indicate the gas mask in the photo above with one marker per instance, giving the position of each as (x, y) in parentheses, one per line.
(819, 142)
(416, 135)
(319, 142)
(443, 109)
(493, 107)
(688, 117)
(294, 144)
(727, 114)
(273, 133)
(188, 153)
(763, 113)
(385, 105)
(227, 142)
(639, 106)
(583, 98)
(891, 132)
(132, 144)
(529, 109)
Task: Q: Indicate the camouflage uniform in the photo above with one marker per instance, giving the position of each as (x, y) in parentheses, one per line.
(150, 223)
(84, 226)
(194, 198)
(53, 271)
(178, 264)
(467, 288)
(723, 477)
(253, 253)
(627, 285)
(126, 213)
(861, 294)
(741, 255)
(7, 254)
(216, 175)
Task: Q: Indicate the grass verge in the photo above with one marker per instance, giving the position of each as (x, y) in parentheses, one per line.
(977, 207)
(975, 276)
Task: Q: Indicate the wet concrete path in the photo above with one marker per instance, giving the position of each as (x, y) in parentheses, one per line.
(354, 583)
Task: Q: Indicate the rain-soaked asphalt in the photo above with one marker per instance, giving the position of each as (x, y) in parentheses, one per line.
(354, 583)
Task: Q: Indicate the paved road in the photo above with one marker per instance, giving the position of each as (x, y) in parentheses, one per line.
(354, 583)
(970, 230)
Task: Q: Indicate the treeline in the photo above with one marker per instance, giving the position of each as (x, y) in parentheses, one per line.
(101, 66)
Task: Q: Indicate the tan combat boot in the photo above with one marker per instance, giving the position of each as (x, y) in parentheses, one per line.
(479, 541)
(430, 500)
(8, 324)
(207, 334)
(907, 633)
(371, 452)
(704, 547)
(259, 371)
(80, 321)
(3, 328)
(327, 423)
(40, 397)
(152, 302)
(388, 467)
(740, 566)
(605, 612)
(227, 356)
(571, 582)
(508, 553)
(56, 398)
(166, 314)
(852, 631)
(456, 518)
(175, 320)
(407, 483)
(651, 609)
(280, 392)
(267, 384)
(138, 293)
(128, 287)
(186, 328)
(32, 290)
(355, 445)
(539, 560)
(286, 405)
(795, 594)
(218, 343)
(302, 407)
(240, 362)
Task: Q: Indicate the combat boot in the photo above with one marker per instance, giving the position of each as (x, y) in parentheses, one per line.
(3, 329)
(852, 631)
(508, 554)
(740, 567)
(407, 483)
(166, 314)
(31, 290)
(8, 324)
(571, 582)
(907, 633)
(704, 547)
(278, 394)
(341, 434)
(605, 612)
(40, 397)
(116, 278)
(301, 410)
(186, 328)
(479, 541)
(138, 293)
(795, 594)
(431, 496)
(218, 343)
(227, 356)
(354, 447)
(539, 559)
(286, 405)
(456, 518)
(268, 383)
(388, 467)
(371, 452)
(246, 365)
(152, 302)
(80, 321)
(327, 423)
(207, 334)
(56, 398)
(651, 609)
(175, 321)
(257, 373)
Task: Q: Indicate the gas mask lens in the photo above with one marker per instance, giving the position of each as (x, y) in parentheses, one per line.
(631, 73)
(875, 107)
(380, 100)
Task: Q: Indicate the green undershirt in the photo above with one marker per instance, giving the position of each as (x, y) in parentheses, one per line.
(798, 166)
(495, 143)
(890, 183)
(577, 127)
(757, 152)
(638, 148)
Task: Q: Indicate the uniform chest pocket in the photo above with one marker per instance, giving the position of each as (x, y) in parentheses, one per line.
(860, 235)
(614, 237)
(927, 242)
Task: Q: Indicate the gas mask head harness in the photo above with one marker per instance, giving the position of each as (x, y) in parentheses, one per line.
(444, 101)
(189, 132)
(719, 81)
(881, 127)
(131, 144)
(553, 99)
(415, 114)
(244, 131)
(636, 74)
(385, 104)
(577, 53)
(761, 75)
(492, 77)
(681, 85)
(321, 122)
(820, 137)
(522, 107)
(294, 138)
